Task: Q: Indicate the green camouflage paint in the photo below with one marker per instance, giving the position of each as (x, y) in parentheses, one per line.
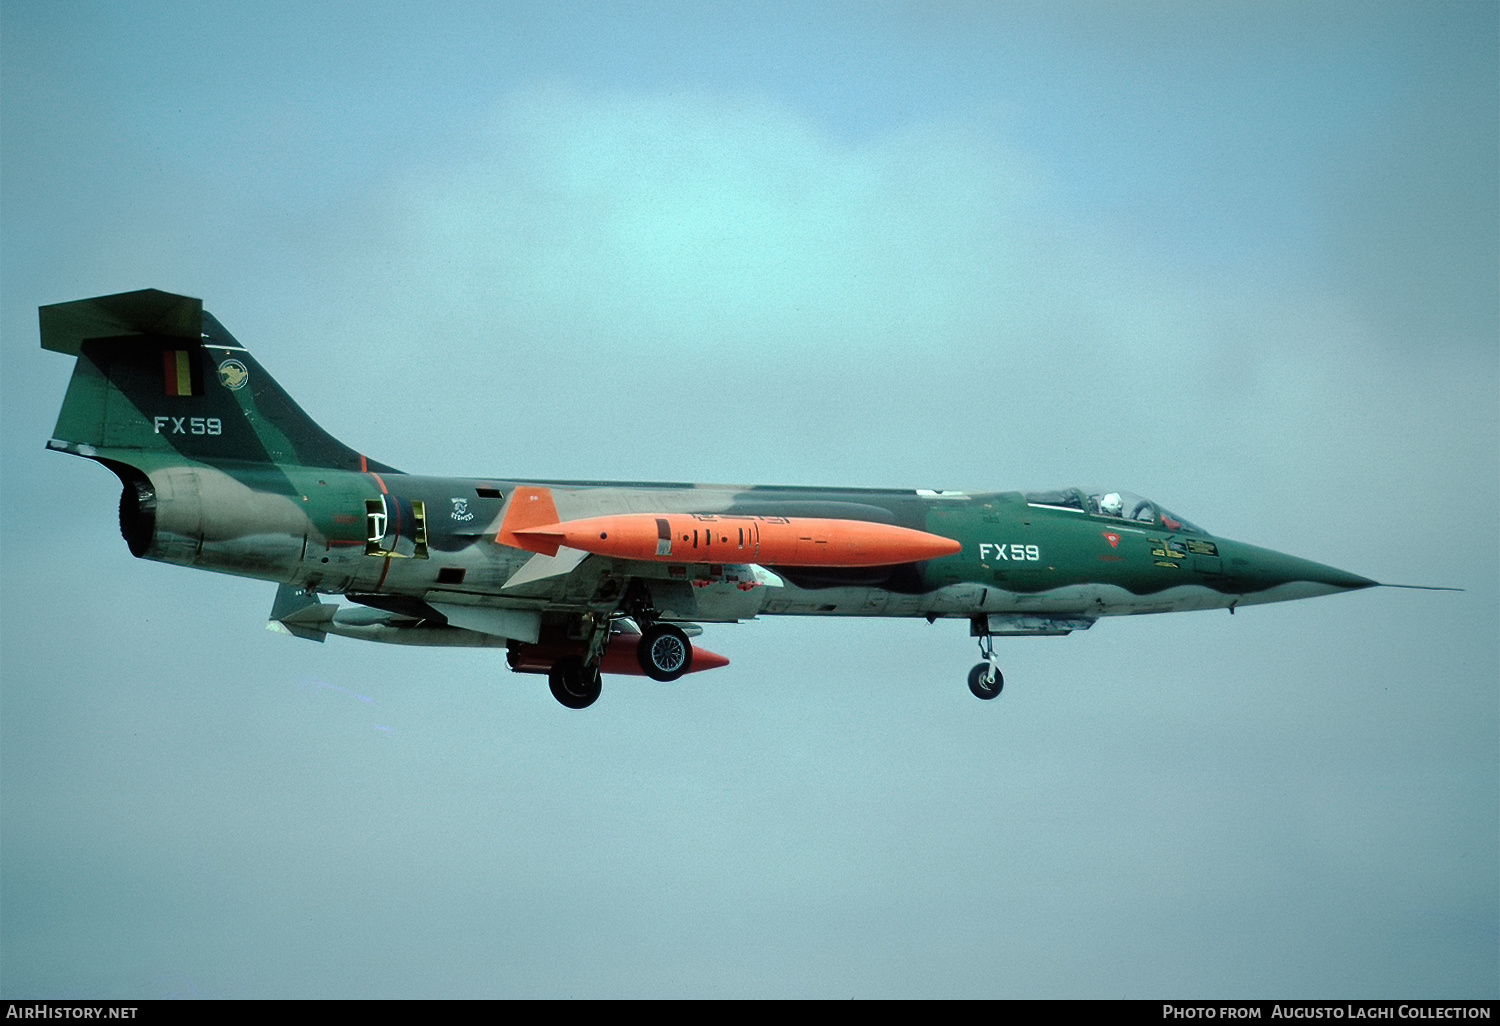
(223, 471)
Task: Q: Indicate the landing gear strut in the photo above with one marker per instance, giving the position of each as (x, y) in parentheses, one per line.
(985, 679)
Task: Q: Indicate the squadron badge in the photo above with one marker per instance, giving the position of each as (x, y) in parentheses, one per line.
(233, 375)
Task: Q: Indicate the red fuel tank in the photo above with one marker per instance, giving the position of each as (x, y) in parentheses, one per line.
(619, 657)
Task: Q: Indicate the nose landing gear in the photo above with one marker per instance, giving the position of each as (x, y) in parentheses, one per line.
(985, 679)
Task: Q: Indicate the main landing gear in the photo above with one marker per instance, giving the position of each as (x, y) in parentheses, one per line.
(985, 679)
(573, 684)
(664, 652)
(574, 653)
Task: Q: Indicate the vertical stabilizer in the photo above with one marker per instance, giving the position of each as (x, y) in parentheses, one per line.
(157, 373)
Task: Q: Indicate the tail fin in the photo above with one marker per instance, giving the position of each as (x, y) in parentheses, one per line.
(528, 508)
(157, 373)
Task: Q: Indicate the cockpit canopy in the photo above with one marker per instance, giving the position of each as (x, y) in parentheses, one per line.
(1114, 504)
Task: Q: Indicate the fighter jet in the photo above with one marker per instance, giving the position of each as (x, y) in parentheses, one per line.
(222, 471)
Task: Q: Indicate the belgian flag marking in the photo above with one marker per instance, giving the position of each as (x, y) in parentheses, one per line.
(177, 367)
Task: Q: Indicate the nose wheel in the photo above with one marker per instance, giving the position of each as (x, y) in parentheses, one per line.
(985, 679)
(986, 682)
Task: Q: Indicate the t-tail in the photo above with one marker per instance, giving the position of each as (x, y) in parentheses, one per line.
(159, 380)
(205, 442)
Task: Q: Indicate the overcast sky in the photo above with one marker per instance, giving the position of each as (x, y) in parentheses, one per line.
(1239, 258)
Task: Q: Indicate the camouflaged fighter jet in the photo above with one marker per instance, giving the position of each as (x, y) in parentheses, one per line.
(223, 471)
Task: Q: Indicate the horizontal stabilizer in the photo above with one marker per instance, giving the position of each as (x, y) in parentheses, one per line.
(157, 377)
(147, 312)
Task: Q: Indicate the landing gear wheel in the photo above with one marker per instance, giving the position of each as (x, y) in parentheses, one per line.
(665, 652)
(573, 684)
(983, 685)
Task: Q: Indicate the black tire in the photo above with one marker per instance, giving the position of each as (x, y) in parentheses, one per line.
(981, 687)
(664, 652)
(575, 685)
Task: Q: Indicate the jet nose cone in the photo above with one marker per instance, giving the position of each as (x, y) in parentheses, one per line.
(1278, 575)
(1333, 577)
